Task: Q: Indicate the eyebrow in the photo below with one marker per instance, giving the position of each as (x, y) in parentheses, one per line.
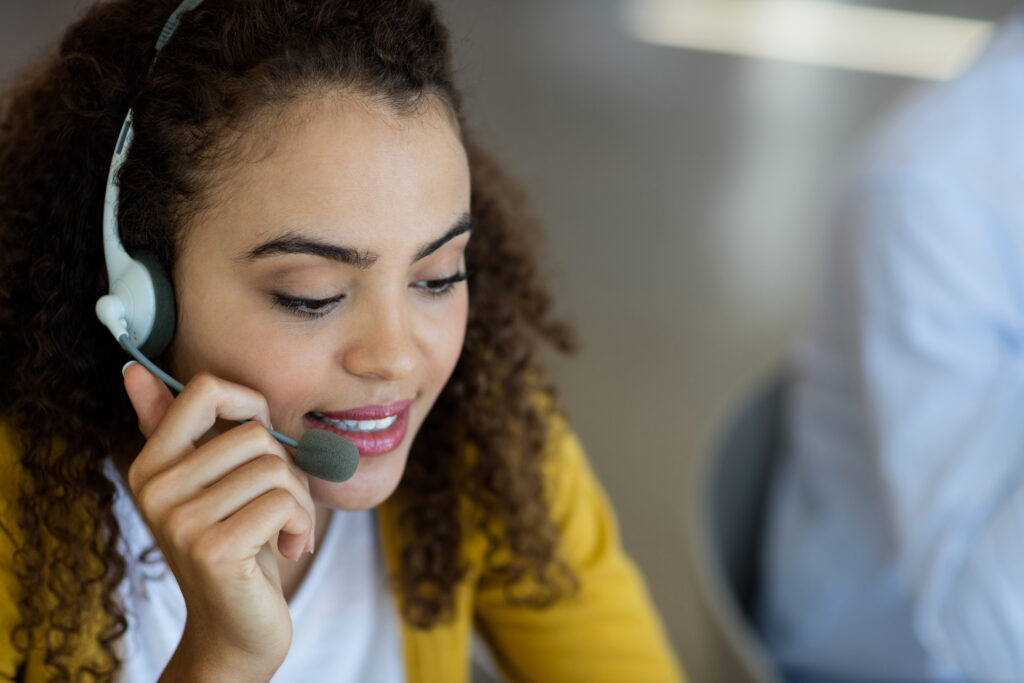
(294, 243)
(464, 224)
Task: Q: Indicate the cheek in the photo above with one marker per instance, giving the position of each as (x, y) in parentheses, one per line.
(209, 317)
(293, 371)
(450, 338)
(219, 336)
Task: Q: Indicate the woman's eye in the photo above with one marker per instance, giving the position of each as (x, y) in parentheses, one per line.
(307, 308)
(441, 287)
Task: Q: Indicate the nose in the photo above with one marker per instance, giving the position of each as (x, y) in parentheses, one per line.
(382, 344)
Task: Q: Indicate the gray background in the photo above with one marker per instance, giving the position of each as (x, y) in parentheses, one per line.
(685, 196)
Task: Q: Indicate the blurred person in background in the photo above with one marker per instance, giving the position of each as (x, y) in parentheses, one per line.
(895, 546)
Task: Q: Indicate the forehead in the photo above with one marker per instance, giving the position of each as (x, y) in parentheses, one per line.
(342, 169)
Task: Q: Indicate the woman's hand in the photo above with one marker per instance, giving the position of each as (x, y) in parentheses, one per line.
(214, 502)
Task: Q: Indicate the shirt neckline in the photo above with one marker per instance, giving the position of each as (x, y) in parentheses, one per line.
(340, 519)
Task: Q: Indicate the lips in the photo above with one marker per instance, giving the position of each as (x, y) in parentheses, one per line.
(370, 412)
(374, 430)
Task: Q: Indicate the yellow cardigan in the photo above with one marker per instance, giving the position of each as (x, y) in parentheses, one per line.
(608, 632)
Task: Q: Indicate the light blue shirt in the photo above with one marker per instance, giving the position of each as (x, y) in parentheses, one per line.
(895, 545)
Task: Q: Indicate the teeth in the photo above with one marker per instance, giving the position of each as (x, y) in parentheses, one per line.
(359, 425)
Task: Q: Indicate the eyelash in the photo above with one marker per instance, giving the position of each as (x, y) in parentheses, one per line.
(444, 286)
(317, 308)
(306, 308)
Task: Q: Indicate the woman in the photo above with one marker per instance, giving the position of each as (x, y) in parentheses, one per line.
(342, 258)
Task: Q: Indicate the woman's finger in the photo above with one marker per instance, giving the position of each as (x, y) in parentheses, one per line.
(149, 396)
(233, 492)
(189, 417)
(258, 522)
(205, 465)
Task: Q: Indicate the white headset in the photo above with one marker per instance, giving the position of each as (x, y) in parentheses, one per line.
(139, 310)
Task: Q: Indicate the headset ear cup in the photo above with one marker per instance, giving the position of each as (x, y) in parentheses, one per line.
(165, 316)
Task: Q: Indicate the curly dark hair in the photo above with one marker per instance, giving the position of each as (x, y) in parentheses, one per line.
(60, 389)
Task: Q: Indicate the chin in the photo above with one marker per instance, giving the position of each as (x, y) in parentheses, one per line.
(375, 480)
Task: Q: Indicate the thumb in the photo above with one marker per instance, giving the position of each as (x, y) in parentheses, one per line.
(149, 396)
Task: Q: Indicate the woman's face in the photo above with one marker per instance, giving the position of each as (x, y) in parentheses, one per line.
(326, 274)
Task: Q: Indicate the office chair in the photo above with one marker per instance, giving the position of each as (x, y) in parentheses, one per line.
(729, 499)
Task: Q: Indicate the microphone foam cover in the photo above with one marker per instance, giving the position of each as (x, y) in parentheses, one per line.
(326, 455)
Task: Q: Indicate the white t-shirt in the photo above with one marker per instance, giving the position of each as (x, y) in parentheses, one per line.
(344, 623)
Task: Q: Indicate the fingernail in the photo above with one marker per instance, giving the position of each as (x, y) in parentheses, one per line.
(128, 365)
(311, 546)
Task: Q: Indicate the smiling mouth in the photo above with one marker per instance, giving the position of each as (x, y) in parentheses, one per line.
(374, 430)
(362, 426)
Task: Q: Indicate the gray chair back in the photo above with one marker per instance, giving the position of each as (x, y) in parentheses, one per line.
(730, 497)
